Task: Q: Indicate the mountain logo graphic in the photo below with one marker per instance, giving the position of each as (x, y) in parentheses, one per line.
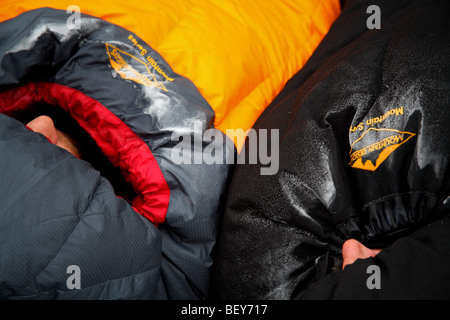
(131, 68)
(376, 145)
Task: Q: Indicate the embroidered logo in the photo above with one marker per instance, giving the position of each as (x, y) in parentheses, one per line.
(131, 68)
(375, 145)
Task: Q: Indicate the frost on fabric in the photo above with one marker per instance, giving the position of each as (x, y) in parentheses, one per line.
(172, 111)
(58, 29)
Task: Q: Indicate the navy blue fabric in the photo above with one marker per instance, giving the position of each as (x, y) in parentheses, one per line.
(57, 211)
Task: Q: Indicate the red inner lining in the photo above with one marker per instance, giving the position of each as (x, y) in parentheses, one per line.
(117, 141)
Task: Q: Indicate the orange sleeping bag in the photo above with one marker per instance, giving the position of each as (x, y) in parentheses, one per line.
(239, 54)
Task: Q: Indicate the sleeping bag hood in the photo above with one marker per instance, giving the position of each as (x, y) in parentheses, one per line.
(58, 214)
(156, 85)
(364, 154)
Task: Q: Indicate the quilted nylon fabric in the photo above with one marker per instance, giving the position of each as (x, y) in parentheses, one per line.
(239, 54)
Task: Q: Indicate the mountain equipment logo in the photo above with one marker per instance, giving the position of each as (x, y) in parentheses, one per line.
(131, 68)
(376, 145)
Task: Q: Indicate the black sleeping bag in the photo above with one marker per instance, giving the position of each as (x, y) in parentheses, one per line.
(65, 232)
(364, 154)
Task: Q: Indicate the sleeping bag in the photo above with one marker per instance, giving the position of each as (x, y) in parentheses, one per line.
(364, 154)
(154, 86)
(58, 212)
(239, 54)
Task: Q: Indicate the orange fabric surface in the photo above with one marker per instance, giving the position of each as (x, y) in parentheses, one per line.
(238, 53)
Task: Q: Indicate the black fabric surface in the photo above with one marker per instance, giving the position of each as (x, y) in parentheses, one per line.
(364, 154)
